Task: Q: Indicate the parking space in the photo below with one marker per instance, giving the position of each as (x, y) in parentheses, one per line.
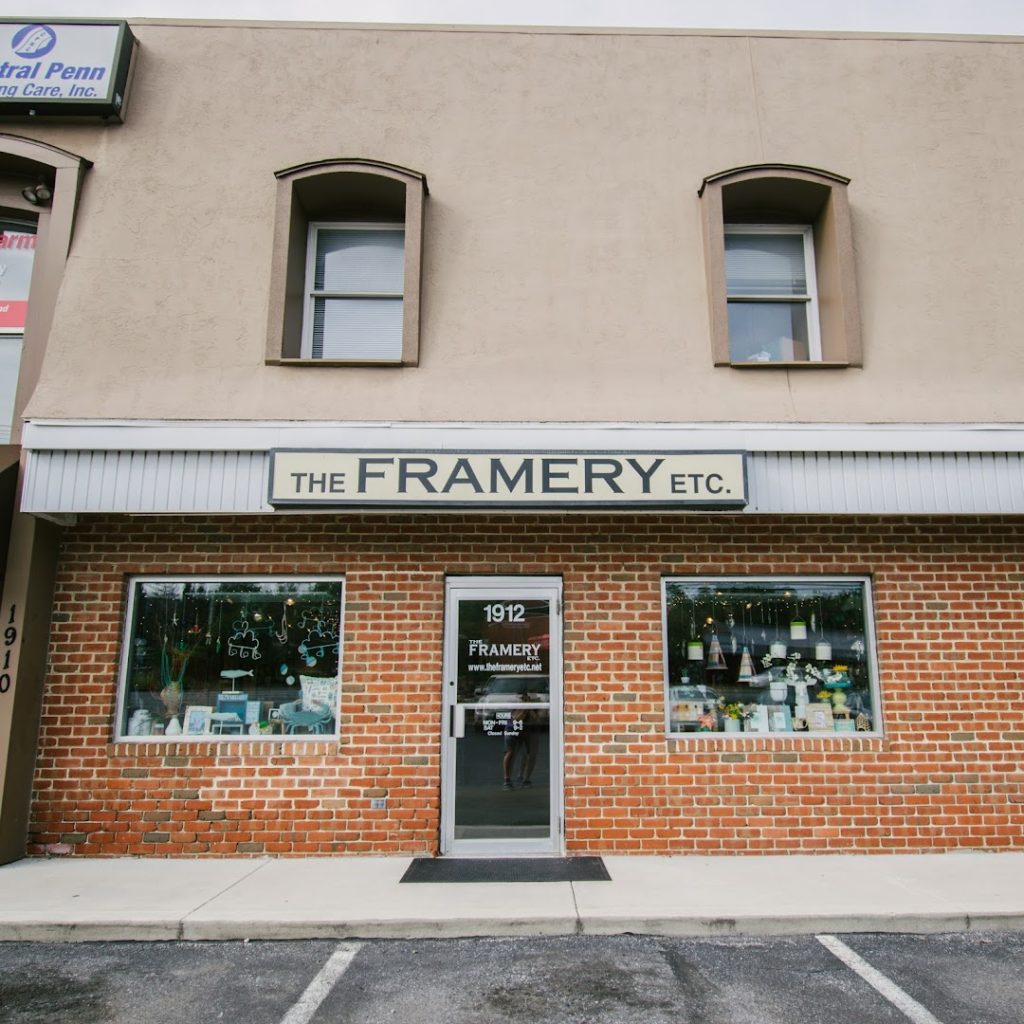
(626, 980)
(155, 983)
(969, 978)
(953, 979)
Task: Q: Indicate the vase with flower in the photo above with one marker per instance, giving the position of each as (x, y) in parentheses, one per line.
(732, 716)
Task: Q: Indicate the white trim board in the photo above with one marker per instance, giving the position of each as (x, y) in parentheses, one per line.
(255, 436)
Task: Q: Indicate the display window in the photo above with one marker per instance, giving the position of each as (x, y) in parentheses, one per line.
(214, 659)
(769, 656)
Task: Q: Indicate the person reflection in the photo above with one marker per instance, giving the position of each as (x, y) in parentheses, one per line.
(521, 743)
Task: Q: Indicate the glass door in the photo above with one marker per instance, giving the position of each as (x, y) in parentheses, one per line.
(502, 785)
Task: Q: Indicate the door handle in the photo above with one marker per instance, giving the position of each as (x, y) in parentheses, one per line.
(457, 722)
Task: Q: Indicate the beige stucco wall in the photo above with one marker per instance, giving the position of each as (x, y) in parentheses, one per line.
(564, 275)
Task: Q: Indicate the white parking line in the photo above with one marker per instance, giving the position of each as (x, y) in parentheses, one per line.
(319, 988)
(910, 1008)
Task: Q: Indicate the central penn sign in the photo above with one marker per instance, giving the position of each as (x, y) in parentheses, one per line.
(64, 68)
(508, 479)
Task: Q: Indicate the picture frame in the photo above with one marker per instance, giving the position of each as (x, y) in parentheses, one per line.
(758, 720)
(819, 717)
(197, 720)
(688, 710)
(232, 702)
(780, 718)
(845, 725)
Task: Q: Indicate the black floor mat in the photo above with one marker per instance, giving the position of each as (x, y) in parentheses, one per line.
(507, 869)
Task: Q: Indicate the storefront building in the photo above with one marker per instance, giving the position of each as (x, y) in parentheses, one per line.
(650, 481)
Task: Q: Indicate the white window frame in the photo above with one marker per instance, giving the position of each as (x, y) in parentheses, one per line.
(18, 226)
(814, 354)
(14, 336)
(870, 656)
(312, 294)
(120, 722)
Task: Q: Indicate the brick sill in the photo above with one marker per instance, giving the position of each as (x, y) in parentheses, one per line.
(228, 746)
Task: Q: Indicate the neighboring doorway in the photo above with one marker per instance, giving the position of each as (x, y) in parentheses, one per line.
(502, 725)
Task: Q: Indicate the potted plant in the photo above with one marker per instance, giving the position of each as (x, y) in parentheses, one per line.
(732, 716)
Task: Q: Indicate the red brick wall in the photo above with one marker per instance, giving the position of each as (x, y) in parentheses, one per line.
(950, 630)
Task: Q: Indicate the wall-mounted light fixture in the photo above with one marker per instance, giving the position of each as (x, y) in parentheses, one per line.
(38, 195)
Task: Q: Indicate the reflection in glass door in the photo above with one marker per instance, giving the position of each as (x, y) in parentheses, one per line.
(502, 785)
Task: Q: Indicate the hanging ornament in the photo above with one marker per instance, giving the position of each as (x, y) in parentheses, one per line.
(282, 637)
(716, 660)
(746, 666)
(797, 625)
(242, 642)
(694, 646)
(777, 648)
(822, 649)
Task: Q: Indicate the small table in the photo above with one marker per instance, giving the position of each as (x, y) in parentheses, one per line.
(308, 720)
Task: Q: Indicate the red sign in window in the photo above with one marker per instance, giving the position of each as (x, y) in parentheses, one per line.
(16, 251)
(12, 314)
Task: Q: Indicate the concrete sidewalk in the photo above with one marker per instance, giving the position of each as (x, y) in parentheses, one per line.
(150, 899)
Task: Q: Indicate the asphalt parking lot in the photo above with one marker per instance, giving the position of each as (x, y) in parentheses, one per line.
(963, 978)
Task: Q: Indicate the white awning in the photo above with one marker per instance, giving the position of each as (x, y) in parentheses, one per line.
(223, 467)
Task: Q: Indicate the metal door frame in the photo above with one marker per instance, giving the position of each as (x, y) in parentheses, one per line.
(501, 588)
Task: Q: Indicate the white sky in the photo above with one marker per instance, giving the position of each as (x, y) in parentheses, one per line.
(981, 17)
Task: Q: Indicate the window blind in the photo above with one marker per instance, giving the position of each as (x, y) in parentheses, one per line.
(765, 264)
(357, 260)
(362, 271)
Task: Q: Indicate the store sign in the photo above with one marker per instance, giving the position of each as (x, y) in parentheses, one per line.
(508, 479)
(65, 68)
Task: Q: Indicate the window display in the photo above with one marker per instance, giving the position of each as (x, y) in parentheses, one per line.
(252, 656)
(769, 656)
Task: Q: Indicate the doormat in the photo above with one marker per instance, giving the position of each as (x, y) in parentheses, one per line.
(507, 869)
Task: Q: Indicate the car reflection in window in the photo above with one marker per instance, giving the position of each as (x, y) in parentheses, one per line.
(519, 689)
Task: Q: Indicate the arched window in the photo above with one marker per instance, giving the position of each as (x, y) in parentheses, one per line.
(39, 187)
(779, 255)
(345, 285)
